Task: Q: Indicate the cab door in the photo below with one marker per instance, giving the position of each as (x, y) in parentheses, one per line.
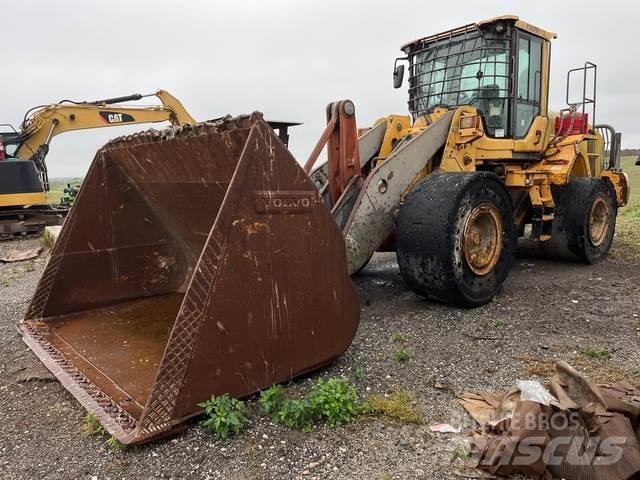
(529, 120)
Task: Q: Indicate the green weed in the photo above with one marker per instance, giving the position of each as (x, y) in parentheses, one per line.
(92, 426)
(271, 399)
(596, 352)
(114, 445)
(399, 339)
(225, 415)
(335, 401)
(460, 454)
(295, 413)
(402, 355)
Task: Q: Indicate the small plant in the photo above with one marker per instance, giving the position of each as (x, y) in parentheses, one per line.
(360, 375)
(12, 277)
(46, 240)
(402, 355)
(398, 405)
(295, 413)
(114, 445)
(271, 399)
(335, 401)
(399, 339)
(596, 352)
(460, 454)
(225, 415)
(92, 426)
(500, 323)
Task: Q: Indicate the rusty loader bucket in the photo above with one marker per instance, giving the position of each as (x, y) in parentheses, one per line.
(195, 261)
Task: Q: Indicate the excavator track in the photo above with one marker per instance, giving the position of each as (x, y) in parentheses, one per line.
(29, 222)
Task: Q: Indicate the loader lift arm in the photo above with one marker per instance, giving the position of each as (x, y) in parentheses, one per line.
(341, 138)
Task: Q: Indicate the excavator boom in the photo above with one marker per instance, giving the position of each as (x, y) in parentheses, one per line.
(44, 123)
(24, 178)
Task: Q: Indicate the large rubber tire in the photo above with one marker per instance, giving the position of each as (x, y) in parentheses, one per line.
(431, 230)
(571, 234)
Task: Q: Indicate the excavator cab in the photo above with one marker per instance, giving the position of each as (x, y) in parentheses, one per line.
(10, 141)
(21, 184)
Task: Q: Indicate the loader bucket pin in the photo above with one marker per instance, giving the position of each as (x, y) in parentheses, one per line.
(195, 261)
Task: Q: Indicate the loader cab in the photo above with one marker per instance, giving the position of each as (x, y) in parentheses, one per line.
(500, 66)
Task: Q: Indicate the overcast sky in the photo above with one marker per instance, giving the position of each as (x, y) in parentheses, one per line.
(287, 59)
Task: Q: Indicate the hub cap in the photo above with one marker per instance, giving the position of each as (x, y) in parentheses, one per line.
(598, 221)
(483, 238)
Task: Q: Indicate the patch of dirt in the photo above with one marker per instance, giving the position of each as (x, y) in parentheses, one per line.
(546, 311)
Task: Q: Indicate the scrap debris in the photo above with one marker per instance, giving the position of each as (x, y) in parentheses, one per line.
(445, 428)
(20, 255)
(573, 430)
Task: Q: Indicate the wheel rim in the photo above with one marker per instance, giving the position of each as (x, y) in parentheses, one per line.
(483, 238)
(598, 221)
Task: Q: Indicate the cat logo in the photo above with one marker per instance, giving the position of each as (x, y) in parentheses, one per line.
(115, 117)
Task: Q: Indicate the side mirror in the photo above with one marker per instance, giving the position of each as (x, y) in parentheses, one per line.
(398, 76)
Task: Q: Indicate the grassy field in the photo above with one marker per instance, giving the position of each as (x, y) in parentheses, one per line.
(57, 186)
(628, 225)
(633, 209)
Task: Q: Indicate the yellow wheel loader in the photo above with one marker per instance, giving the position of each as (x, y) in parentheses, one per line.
(204, 260)
(478, 164)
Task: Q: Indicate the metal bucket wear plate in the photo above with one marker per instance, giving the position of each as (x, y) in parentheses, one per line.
(195, 261)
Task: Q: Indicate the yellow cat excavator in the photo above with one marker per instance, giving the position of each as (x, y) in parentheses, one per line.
(23, 171)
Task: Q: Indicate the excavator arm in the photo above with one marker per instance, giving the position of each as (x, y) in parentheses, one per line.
(43, 123)
(24, 181)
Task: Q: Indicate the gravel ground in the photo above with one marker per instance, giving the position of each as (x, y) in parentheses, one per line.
(546, 311)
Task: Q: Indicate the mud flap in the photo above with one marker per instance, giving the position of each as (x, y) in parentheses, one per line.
(195, 261)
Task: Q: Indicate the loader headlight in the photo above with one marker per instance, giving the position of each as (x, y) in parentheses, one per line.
(470, 121)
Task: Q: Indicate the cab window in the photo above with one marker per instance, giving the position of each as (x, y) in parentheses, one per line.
(486, 81)
(529, 83)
